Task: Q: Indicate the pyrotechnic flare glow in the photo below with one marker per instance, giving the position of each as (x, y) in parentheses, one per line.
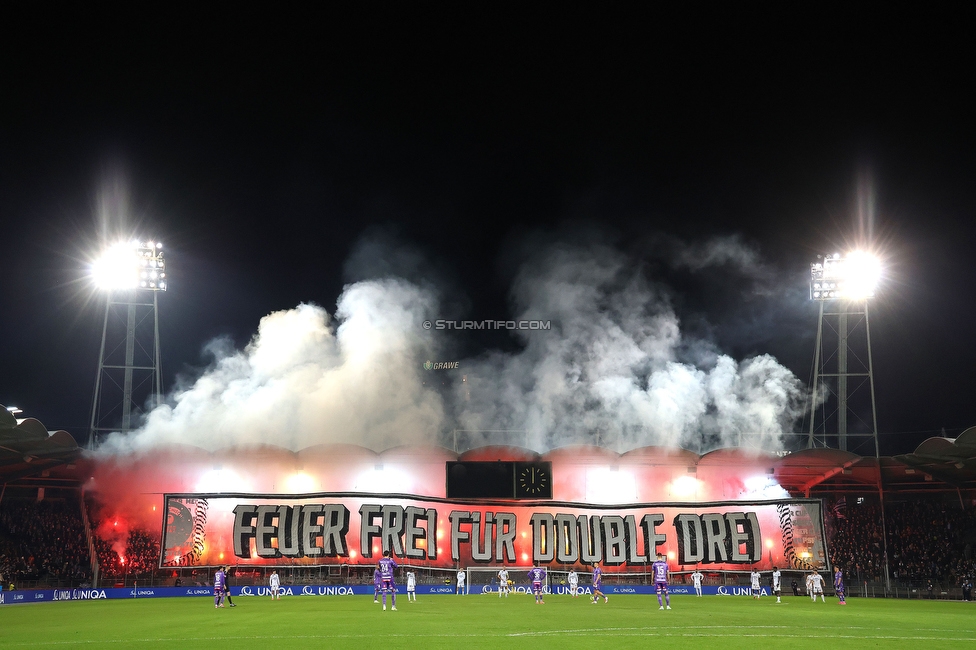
(763, 487)
(684, 487)
(300, 483)
(605, 485)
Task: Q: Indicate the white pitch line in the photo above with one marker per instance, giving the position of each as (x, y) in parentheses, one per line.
(769, 635)
(671, 629)
(653, 632)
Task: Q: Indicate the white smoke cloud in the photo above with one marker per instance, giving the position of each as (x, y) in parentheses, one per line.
(718, 251)
(303, 381)
(614, 370)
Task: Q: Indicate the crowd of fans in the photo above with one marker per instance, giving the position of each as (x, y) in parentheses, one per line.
(855, 541)
(43, 541)
(138, 555)
(927, 542)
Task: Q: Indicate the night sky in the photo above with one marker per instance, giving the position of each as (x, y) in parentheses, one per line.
(263, 148)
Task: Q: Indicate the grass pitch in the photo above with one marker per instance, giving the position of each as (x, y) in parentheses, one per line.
(485, 621)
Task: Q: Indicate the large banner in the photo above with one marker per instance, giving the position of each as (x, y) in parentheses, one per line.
(357, 529)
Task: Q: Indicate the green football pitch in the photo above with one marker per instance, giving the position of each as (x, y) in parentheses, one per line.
(485, 621)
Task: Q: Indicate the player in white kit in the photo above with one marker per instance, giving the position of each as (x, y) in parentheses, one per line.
(756, 588)
(503, 587)
(817, 580)
(461, 575)
(696, 579)
(275, 585)
(573, 580)
(777, 583)
(411, 586)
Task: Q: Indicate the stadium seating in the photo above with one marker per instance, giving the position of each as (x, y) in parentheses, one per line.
(42, 542)
(927, 540)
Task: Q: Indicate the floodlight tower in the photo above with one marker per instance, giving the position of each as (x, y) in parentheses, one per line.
(845, 285)
(129, 366)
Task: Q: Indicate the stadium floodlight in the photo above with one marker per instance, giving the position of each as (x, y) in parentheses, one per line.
(125, 271)
(131, 265)
(14, 410)
(836, 277)
(846, 283)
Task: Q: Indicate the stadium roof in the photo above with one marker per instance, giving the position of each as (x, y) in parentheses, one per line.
(27, 448)
(937, 465)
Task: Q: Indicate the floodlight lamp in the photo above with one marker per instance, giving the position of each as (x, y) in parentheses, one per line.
(123, 265)
(855, 277)
(863, 274)
(116, 269)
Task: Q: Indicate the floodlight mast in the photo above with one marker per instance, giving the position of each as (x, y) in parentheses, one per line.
(129, 273)
(847, 284)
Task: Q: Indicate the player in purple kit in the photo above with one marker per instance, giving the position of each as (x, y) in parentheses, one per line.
(376, 585)
(220, 581)
(660, 571)
(537, 575)
(386, 567)
(839, 586)
(598, 584)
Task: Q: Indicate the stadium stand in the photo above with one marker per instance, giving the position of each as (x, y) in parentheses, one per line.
(139, 556)
(927, 541)
(929, 501)
(43, 543)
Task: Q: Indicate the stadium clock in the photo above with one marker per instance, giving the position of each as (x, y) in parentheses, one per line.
(533, 480)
